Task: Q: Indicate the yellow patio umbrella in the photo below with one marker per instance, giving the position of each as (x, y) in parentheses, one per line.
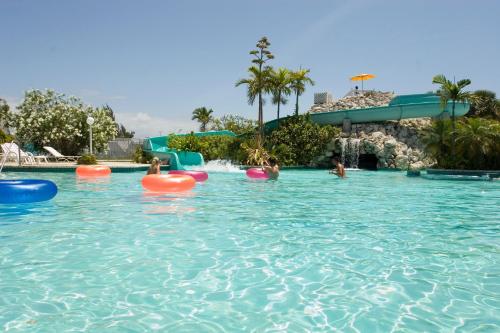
(362, 77)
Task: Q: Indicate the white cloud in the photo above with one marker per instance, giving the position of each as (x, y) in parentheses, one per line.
(146, 125)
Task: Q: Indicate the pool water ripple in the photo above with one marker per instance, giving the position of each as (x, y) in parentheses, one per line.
(376, 252)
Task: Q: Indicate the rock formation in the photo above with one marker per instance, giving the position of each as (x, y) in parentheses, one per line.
(355, 100)
(395, 144)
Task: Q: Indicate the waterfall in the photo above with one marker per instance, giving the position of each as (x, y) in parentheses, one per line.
(349, 152)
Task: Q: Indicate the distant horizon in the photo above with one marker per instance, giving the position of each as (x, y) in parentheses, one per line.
(155, 63)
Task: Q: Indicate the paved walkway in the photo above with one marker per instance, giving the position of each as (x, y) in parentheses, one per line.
(116, 166)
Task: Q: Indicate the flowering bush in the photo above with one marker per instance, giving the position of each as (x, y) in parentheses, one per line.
(46, 118)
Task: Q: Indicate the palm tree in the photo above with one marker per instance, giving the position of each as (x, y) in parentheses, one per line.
(454, 92)
(258, 81)
(279, 85)
(477, 139)
(484, 104)
(299, 79)
(436, 139)
(203, 115)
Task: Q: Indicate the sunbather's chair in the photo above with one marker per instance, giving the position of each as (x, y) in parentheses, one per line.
(60, 157)
(12, 151)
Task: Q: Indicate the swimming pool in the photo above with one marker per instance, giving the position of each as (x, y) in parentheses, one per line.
(376, 252)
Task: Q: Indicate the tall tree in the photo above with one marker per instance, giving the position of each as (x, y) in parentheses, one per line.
(299, 79)
(121, 130)
(5, 114)
(258, 81)
(279, 82)
(203, 116)
(454, 92)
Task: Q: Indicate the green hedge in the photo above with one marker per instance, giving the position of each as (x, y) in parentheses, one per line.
(477, 144)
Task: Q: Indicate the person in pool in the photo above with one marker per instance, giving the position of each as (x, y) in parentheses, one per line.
(271, 168)
(154, 169)
(339, 168)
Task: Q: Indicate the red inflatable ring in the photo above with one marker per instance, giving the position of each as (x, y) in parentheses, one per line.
(168, 183)
(199, 176)
(93, 171)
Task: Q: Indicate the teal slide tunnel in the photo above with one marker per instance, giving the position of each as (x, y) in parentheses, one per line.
(400, 107)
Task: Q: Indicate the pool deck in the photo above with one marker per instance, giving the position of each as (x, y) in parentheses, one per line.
(116, 166)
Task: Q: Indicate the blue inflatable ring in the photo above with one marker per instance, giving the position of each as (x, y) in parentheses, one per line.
(26, 190)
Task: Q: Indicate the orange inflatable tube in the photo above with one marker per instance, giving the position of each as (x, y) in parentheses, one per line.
(168, 183)
(93, 171)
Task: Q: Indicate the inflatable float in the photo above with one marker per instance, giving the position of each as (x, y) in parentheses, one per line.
(199, 176)
(93, 171)
(168, 183)
(257, 173)
(26, 190)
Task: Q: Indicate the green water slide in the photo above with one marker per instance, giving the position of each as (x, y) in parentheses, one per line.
(178, 160)
(400, 107)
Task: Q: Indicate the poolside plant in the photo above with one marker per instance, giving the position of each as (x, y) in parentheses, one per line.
(454, 92)
(211, 147)
(87, 159)
(142, 156)
(4, 137)
(234, 123)
(5, 114)
(298, 141)
(203, 116)
(477, 143)
(484, 104)
(256, 154)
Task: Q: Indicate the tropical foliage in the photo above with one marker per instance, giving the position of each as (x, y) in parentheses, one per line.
(477, 143)
(4, 113)
(203, 116)
(299, 80)
(234, 123)
(47, 118)
(122, 132)
(87, 159)
(298, 141)
(279, 85)
(142, 156)
(257, 83)
(4, 137)
(484, 104)
(211, 147)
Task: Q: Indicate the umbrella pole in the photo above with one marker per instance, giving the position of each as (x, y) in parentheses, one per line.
(362, 85)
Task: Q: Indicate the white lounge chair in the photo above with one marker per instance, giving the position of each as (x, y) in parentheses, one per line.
(13, 152)
(60, 157)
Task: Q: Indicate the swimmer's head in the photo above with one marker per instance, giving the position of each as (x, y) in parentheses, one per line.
(273, 161)
(155, 161)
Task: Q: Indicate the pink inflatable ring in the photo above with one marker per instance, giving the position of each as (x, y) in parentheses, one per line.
(199, 176)
(257, 173)
(93, 171)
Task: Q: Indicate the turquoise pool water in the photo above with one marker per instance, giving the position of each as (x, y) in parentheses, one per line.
(377, 252)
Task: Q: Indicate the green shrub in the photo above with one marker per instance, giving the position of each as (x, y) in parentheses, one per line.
(141, 156)
(298, 141)
(87, 159)
(477, 144)
(211, 147)
(4, 137)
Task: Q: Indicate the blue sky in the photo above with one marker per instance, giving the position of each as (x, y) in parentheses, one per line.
(153, 62)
